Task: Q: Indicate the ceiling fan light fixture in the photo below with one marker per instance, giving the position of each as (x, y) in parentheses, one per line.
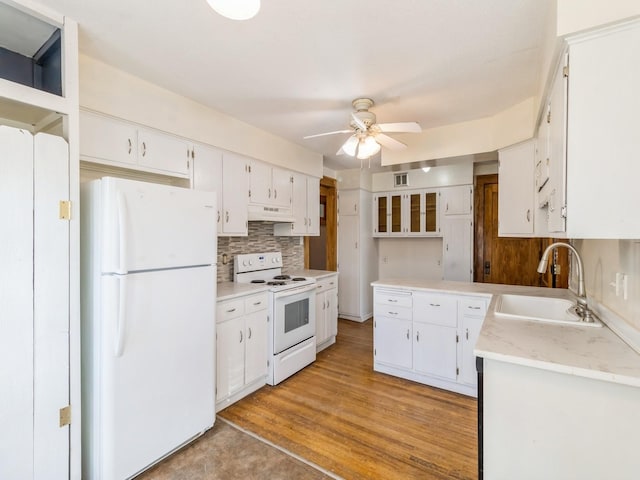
(350, 146)
(368, 147)
(236, 9)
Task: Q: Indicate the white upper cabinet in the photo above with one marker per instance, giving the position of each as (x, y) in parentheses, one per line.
(456, 200)
(516, 190)
(122, 144)
(348, 202)
(269, 185)
(408, 213)
(590, 139)
(602, 134)
(162, 152)
(305, 207)
(235, 194)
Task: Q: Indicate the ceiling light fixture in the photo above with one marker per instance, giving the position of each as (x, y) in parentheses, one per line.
(236, 9)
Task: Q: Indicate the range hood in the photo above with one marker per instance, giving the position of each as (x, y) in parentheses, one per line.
(263, 213)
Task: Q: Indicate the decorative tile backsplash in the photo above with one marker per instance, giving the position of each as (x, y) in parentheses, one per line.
(260, 239)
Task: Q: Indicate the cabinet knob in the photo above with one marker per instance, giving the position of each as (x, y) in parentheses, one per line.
(408, 334)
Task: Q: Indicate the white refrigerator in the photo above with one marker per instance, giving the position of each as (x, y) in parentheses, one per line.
(148, 257)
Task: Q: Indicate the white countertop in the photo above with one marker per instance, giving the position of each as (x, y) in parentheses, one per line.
(317, 274)
(591, 352)
(229, 290)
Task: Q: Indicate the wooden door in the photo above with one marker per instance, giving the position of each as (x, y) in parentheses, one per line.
(511, 261)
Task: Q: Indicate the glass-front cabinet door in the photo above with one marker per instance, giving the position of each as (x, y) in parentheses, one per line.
(432, 224)
(381, 215)
(415, 218)
(396, 214)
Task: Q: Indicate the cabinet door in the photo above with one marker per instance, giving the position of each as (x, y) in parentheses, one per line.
(349, 266)
(299, 204)
(321, 318)
(458, 249)
(434, 350)
(348, 202)
(260, 183)
(469, 332)
(556, 191)
(207, 175)
(163, 152)
(431, 213)
(234, 194)
(281, 187)
(380, 215)
(256, 335)
(516, 189)
(396, 204)
(229, 357)
(414, 216)
(332, 312)
(107, 139)
(313, 206)
(457, 200)
(392, 341)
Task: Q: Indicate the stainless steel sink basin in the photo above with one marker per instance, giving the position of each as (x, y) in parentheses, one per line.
(541, 309)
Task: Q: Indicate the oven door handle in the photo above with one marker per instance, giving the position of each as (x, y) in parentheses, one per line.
(295, 291)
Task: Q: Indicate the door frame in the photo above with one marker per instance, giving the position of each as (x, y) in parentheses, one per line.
(328, 188)
(478, 204)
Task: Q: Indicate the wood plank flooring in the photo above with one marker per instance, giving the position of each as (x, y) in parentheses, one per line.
(359, 424)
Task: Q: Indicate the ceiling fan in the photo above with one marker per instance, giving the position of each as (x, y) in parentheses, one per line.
(368, 136)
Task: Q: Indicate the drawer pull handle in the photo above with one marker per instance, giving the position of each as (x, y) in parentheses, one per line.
(249, 337)
(473, 308)
(241, 337)
(392, 300)
(393, 313)
(467, 334)
(258, 303)
(434, 304)
(231, 310)
(408, 335)
(417, 336)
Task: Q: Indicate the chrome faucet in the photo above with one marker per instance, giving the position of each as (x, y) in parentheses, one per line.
(582, 309)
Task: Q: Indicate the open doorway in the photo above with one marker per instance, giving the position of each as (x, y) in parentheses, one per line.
(320, 253)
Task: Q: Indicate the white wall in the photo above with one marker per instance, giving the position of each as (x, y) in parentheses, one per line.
(109, 90)
(442, 176)
(354, 178)
(410, 258)
(602, 260)
(482, 135)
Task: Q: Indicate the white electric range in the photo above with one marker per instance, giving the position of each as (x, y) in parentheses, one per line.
(292, 341)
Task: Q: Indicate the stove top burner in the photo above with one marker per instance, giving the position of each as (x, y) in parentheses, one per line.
(257, 281)
(277, 282)
(298, 279)
(281, 277)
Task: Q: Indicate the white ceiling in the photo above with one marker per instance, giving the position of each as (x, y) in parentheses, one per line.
(294, 69)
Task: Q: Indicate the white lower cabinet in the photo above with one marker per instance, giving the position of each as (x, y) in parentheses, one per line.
(241, 348)
(326, 312)
(428, 337)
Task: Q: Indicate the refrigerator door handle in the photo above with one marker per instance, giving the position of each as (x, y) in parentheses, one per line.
(122, 305)
(122, 233)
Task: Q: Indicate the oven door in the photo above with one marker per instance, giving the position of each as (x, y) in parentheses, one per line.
(294, 316)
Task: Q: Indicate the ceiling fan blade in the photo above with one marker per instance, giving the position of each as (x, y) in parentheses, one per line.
(358, 122)
(400, 127)
(327, 133)
(387, 141)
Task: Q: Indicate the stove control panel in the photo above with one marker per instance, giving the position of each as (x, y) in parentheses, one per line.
(251, 262)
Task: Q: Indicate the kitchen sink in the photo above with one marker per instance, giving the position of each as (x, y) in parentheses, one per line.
(541, 309)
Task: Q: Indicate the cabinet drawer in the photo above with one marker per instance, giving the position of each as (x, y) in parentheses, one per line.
(327, 283)
(435, 309)
(230, 309)
(392, 311)
(390, 297)
(256, 302)
(473, 306)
